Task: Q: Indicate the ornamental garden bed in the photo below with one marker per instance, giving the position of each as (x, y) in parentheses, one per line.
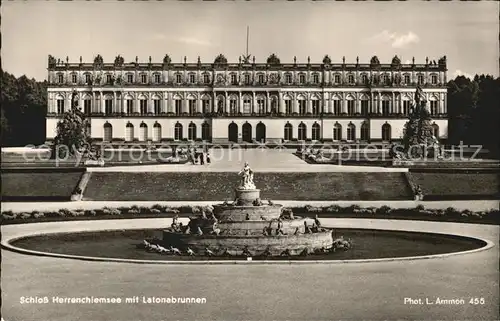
(160, 211)
(219, 186)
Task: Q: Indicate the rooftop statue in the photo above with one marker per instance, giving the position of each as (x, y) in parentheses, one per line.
(246, 178)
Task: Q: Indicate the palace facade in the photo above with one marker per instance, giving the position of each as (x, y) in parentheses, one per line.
(223, 102)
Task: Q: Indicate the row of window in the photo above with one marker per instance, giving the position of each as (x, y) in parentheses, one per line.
(247, 134)
(386, 79)
(233, 110)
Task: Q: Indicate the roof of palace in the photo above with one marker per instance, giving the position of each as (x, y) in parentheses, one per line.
(247, 62)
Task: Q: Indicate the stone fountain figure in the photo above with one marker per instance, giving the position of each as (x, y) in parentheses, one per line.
(246, 178)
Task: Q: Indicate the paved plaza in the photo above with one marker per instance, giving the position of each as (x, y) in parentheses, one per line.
(261, 160)
(352, 291)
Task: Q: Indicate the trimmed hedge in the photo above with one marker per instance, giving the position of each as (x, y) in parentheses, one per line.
(354, 211)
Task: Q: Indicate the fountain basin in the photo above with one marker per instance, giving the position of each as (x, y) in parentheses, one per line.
(255, 244)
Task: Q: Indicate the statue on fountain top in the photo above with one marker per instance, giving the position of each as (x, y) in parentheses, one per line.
(246, 177)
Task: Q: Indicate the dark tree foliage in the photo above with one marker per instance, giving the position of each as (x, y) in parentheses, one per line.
(23, 110)
(71, 133)
(474, 111)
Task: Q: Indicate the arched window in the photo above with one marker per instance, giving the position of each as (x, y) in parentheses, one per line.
(191, 131)
(261, 106)
(365, 132)
(143, 105)
(288, 132)
(386, 132)
(434, 79)
(143, 132)
(87, 105)
(205, 131)
(60, 104)
(302, 131)
(302, 79)
(108, 105)
(435, 130)
(156, 132)
(129, 132)
(178, 131)
(351, 132)
(157, 105)
(316, 132)
(108, 132)
(337, 132)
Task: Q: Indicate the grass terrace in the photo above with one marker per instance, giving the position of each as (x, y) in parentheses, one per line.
(218, 186)
(24, 185)
(459, 185)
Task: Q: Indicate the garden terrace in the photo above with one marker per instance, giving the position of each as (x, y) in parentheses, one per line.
(39, 185)
(458, 185)
(216, 186)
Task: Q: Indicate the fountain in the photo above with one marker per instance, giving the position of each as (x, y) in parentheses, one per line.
(248, 227)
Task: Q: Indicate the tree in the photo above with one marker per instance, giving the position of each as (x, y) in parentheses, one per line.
(72, 136)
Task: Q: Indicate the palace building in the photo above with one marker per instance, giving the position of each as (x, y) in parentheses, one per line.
(223, 102)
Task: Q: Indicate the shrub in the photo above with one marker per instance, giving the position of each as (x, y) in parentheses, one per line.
(64, 212)
(134, 211)
(451, 211)
(384, 210)
(52, 214)
(90, 213)
(369, 210)
(111, 211)
(37, 215)
(8, 216)
(24, 216)
(419, 208)
(77, 213)
(313, 209)
(155, 211)
(333, 209)
(159, 207)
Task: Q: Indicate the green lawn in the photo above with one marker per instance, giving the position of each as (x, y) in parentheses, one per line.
(38, 185)
(449, 184)
(219, 186)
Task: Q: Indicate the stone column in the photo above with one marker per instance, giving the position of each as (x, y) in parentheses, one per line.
(150, 103)
(240, 102)
(136, 108)
(379, 104)
(400, 106)
(372, 108)
(101, 103)
(358, 106)
(295, 103)
(80, 101)
(324, 107)
(344, 105)
(392, 109)
(185, 107)
(254, 102)
(199, 107)
(170, 103)
(309, 105)
(281, 104)
(115, 102)
(123, 103)
(227, 103)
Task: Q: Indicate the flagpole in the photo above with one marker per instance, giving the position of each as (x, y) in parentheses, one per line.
(248, 31)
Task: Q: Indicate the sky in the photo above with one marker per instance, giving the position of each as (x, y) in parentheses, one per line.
(466, 32)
